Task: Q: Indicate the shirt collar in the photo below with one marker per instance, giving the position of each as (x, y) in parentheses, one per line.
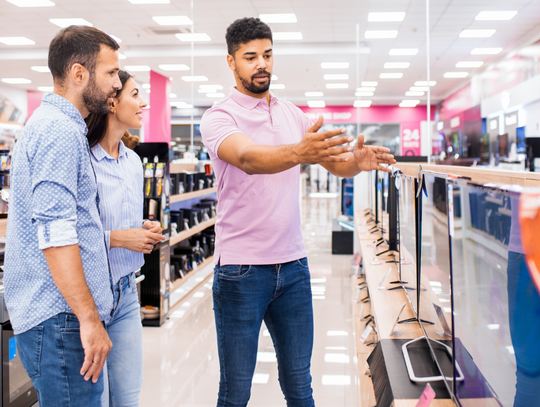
(249, 102)
(67, 108)
(99, 153)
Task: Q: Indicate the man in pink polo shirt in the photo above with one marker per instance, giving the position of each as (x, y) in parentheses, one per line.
(256, 142)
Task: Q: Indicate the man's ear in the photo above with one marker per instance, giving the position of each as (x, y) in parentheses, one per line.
(78, 74)
(231, 62)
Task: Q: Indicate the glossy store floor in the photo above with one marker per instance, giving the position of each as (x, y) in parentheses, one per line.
(181, 365)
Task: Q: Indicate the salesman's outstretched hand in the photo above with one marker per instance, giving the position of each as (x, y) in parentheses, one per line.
(371, 157)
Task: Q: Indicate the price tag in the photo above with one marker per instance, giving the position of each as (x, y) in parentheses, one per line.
(366, 333)
(427, 397)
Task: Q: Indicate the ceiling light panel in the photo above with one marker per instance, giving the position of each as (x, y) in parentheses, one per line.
(316, 103)
(409, 102)
(121, 56)
(362, 103)
(486, 51)
(199, 78)
(410, 93)
(188, 37)
(476, 33)
(375, 34)
(16, 81)
(149, 1)
(403, 51)
(363, 94)
(31, 3)
(424, 83)
(137, 68)
(314, 94)
(369, 83)
(469, 64)
(66, 22)
(16, 41)
(334, 65)
(456, 74)
(172, 20)
(287, 36)
(391, 75)
(42, 69)
(366, 89)
(217, 87)
(174, 67)
(45, 88)
(278, 18)
(396, 65)
(146, 86)
(336, 77)
(337, 86)
(495, 15)
(274, 78)
(277, 86)
(173, 95)
(383, 17)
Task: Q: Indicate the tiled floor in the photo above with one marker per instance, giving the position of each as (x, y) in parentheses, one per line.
(181, 363)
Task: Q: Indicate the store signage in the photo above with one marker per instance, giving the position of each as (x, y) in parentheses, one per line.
(330, 116)
(410, 141)
(493, 124)
(510, 120)
(454, 122)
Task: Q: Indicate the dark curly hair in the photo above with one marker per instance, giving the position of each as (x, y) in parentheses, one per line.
(245, 30)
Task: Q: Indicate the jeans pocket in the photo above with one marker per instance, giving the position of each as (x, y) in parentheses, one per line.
(30, 344)
(233, 271)
(303, 263)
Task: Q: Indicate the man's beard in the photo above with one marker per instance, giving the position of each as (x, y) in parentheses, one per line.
(254, 87)
(94, 99)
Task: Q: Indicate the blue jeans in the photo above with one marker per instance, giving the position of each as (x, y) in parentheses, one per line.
(123, 371)
(279, 294)
(52, 355)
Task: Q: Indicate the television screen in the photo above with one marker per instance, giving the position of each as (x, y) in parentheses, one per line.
(521, 147)
(484, 148)
(502, 145)
(496, 307)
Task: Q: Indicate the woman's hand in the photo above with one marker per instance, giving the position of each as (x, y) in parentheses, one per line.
(152, 226)
(137, 240)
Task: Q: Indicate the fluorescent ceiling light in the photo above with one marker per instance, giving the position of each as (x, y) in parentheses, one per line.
(121, 56)
(363, 94)
(199, 78)
(16, 41)
(486, 51)
(469, 64)
(45, 88)
(31, 3)
(217, 87)
(149, 1)
(409, 103)
(173, 95)
(456, 74)
(396, 65)
(277, 86)
(172, 20)
(495, 15)
(382, 17)
(287, 36)
(181, 105)
(137, 68)
(424, 83)
(418, 89)
(16, 81)
(42, 69)
(381, 34)
(274, 78)
(66, 22)
(476, 33)
(334, 65)
(337, 85)
(146, 86)
(336, 77)
(278, 18)
(174, 67)
(387, 75)
(362, 103)
(403, 51)
(316, 103)
(193, 37)
(366, 89)
(413, 93)
(215, 95)
(369, 83)
(314, 94)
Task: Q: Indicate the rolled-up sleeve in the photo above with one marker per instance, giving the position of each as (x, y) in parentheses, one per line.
(55, 170)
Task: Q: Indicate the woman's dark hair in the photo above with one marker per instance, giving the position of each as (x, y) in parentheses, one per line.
(97, 123)
(245, 30)
(76, 44)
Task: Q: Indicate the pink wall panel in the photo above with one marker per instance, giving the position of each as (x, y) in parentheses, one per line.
(33, 101)
(159, 125)
(374, 114)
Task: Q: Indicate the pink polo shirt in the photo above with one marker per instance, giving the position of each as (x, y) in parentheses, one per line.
(258, 216)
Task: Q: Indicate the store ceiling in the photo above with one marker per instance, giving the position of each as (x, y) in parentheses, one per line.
(329, 35)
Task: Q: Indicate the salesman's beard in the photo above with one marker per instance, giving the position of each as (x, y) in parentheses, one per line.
(255, 87)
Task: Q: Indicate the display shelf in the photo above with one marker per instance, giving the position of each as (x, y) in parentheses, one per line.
(182, 281)
(193, 231)
(190, 195)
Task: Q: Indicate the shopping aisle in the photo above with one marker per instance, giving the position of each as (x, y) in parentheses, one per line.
(181, 365)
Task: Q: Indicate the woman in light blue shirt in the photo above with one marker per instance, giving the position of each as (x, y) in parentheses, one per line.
(119, 174)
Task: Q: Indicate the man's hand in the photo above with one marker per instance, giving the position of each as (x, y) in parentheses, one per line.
(136, 240)
(321, 147)
(152, 226)
(96, 345)
(371, 157)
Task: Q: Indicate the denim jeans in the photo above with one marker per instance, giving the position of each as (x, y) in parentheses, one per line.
(279, 294)
(52, 355)
(123, 372)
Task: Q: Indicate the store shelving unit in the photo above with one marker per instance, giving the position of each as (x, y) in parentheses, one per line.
(181, 281)
(190, 195)
(193, 231)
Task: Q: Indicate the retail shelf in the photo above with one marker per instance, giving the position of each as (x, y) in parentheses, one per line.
(193, 231)
(180, 282)
(190, 195)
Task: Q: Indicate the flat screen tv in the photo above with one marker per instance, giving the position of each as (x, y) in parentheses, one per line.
(502, 145)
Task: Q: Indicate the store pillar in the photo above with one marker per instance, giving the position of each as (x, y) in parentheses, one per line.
(158, 128)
